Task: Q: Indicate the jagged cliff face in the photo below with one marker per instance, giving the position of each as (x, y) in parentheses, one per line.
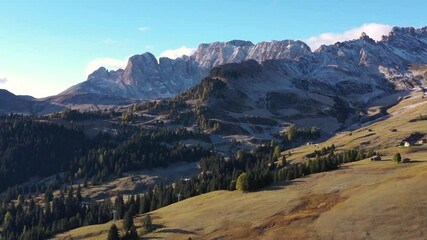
(334, 85)
(358, 66)
(144, 77)
(218, 53)
(284, 79)
(384, 64)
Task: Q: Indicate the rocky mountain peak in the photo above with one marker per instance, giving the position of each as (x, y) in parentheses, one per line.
(285, 49)
(145, 58)
(405, 33)
(101, 72)
(365, 37)
(140, 68)
(235, 51)
(402, 30)
(240, 43)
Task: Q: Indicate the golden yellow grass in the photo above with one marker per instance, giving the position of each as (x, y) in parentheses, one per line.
(379, 199)
(379, 135)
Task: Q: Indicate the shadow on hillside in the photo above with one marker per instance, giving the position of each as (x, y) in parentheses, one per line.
(279, 186)
(414, 161)
(178, 231)
(158, 226)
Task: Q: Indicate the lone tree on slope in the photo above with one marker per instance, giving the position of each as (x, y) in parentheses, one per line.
(242, 183)
(397, 158)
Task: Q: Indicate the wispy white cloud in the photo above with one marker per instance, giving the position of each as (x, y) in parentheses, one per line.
(108, 63)
(179, 52)
(143, 29)
(373, 30)
(3, 80)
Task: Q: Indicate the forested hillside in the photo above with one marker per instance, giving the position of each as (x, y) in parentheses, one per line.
(33, 148)
(30, 148)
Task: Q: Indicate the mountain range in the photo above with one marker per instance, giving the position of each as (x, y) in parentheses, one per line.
(145, 77)
(367, 68)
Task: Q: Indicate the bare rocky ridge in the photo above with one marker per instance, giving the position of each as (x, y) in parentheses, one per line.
(145, 78)
(333, 87)
(363, 67)
(351, 63)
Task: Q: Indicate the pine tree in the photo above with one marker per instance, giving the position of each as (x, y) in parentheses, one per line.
(292, 133)
(133, 234)
(113, 234)
(148, 224)
(7, 221)
(360, 155)
(49, 194)
(283, 161)
(119, 206)
(142, 204)
(276, 153)
(127, 221)
(79, 194)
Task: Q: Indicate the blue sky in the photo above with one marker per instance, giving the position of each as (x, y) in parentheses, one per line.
(47, 46)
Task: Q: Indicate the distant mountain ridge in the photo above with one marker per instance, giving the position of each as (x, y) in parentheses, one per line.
(11, 103)
(356, 66)
(145, 78)
(335, 86)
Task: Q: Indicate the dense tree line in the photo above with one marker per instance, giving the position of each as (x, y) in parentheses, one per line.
(24, 219)
(321, 152)
(161, 106)
(245, 171)
(76, 115)
(34, 148)
(203, 121)
(186, 118)
(208, 87)
(296, 134)
(139, 152)
(51, 147)
(160, 135)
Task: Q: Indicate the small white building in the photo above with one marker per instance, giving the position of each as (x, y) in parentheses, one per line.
(406, 144)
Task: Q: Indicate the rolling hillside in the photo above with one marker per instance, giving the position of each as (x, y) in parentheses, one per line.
(351, 203)
(362, 200)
